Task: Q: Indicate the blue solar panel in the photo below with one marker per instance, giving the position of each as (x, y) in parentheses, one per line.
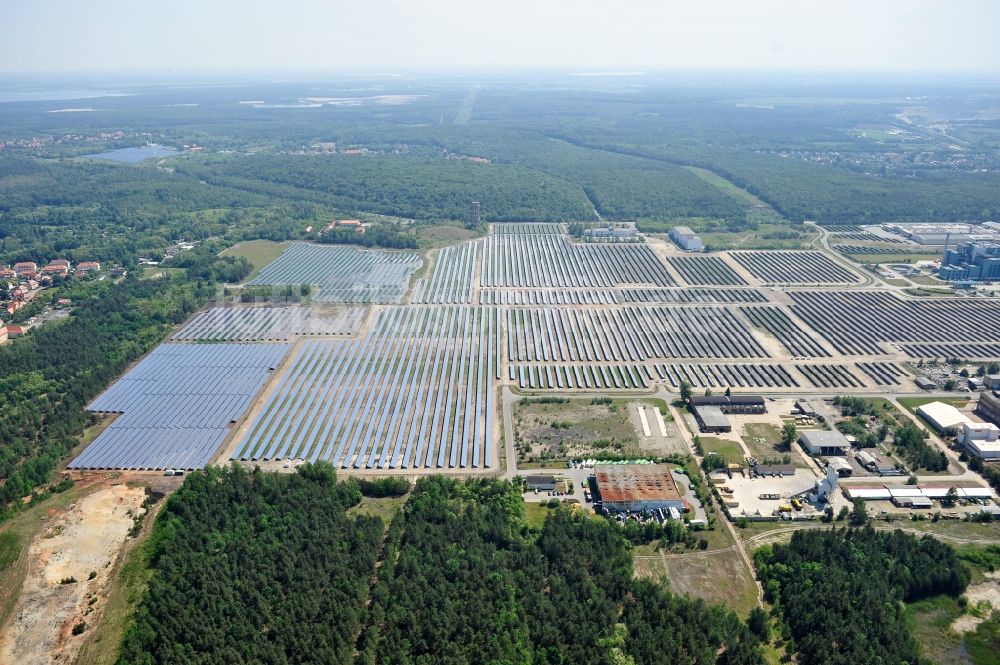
(177, 404)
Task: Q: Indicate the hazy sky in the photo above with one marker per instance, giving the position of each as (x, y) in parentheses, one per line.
(369, 35)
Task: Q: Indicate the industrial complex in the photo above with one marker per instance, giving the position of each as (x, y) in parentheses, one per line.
(410, 363)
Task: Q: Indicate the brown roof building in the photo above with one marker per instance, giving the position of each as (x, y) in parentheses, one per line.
(637, 487)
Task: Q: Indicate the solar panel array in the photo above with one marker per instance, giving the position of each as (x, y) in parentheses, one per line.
(628, 334)
(527, 228)
(415, 392)
(177, 404)
(342, 274)
(549, 260)
(687, 294)
(254, 324)
(794, 267)
(706, 271)
(453, 277)
(856, 322)
(795, 339)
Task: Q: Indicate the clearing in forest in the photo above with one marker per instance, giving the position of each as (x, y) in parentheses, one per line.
(69, 569)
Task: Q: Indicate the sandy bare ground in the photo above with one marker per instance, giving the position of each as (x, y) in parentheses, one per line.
(88, 537)
(980, 595)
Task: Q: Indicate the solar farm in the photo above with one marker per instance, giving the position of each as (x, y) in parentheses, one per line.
(177, 404)
(342, 274)
(259, 324)
(794, 267)
(381, 372)
(415, 392)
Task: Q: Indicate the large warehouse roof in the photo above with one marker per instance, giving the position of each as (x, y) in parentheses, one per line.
(713, 417)
(942, 416)
(636, 482)
(818, 440)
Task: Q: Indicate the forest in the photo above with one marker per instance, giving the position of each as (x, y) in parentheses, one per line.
(847, 587)
(259, 567)
(256, 567)
(89, 211)
(408, 186)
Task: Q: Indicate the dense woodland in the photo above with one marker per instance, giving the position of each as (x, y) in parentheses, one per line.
(113, 213)
(260, 567)
(256, 567)
(846, 587)
(407, 186)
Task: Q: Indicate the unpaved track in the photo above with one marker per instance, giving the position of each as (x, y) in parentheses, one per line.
(88, 537)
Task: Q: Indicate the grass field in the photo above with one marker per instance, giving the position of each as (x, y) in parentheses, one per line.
(768, 448)
(258, 252)
(911, 403)
(924, 292)
(650, 567)
(715, 577)
(730, 450)
(569, 429)
(385, 507)
(432, 237)
(157, 272)
(724, 185)
(757, 239)
(926, 280)
(931, 620)
(535, 513)
(10, 549)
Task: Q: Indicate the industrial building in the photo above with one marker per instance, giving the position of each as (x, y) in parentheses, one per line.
(767, 470)
(942, 417)
(710, 411)
(988, 408)
(979, 439)
(746, 404)
(924, 383)
(805, 408)
(971, 261)
(916, 492)
(686, 239)
(876, 464)
(541, 483)
(941, 234)
(841, 466)
(637, 487)
(824, 442)
(712, 419)
(621, 233)
(915, 502)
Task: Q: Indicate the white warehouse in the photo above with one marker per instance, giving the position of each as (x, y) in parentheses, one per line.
(943, 417)
(980, 439)
(687, 239)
